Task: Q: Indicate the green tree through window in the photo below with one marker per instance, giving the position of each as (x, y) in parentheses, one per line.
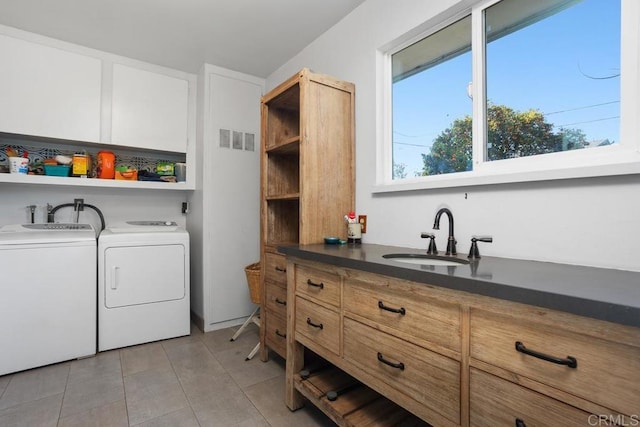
(511, 134)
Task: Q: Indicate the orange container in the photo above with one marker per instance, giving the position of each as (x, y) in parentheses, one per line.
(130, 175)
(105, 168)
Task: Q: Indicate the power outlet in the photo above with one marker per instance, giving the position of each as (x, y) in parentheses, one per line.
(362, 219)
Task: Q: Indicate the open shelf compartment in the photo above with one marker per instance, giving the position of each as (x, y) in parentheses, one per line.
(347, 401)
(283, 221)
(283, 118)
(283, 175)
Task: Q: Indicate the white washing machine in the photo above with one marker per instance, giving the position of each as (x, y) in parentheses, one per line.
(143, 283)
(47, 294)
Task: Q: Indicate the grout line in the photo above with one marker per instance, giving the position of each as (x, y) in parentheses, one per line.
(64, 393)
(124, 389)
(233, 330)
(11, 378)
(186, 396)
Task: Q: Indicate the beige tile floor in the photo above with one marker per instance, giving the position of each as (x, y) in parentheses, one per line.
(199, 380)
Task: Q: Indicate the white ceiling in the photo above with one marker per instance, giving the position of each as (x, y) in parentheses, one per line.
(250, 36)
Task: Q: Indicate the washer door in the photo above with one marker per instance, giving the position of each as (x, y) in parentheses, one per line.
(143, 274)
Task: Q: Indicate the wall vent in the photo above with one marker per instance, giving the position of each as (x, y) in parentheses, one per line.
(225, 138)
(237, 140)
(249, 142)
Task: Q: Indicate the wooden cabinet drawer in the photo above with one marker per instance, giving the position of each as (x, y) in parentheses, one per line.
(424, 376)
(276, 333)
(606, 373)
(417, 315)
(496, 402)
(318, 324)
(319, 284)
(275, 268)
(276, 299)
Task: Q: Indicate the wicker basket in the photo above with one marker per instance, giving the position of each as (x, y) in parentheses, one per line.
(253, 279)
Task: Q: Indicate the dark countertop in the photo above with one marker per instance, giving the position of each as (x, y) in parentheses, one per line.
(599, 293)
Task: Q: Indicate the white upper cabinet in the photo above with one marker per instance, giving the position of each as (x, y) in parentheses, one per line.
(149, 110)
(46, 91)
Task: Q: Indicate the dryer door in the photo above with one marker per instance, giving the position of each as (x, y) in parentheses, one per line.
(143, 274)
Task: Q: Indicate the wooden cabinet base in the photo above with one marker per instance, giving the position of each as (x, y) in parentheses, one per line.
(451, 358)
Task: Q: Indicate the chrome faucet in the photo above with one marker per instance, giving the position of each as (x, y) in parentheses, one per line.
(451, 242)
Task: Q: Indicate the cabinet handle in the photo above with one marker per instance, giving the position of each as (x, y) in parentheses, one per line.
(393, 365)
(315, 325)
(317, 285)
(280, 334)
(280, 269)
(520, 423)
(570, 362)
(278, 301)
(400, 310)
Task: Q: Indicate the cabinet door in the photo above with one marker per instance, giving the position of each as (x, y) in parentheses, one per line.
(276, 333)
(319, 325)
(49, 92)
(149, 110)
(496, 402)
(410, 312)
(414, 373)
(605, 372)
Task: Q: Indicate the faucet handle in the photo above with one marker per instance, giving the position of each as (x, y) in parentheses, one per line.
(474, 253)
(431, 250)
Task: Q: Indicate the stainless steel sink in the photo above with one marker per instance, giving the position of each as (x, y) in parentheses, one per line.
(424, 259)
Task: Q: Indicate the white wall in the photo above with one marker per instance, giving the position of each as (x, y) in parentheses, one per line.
(593, 221)
(117, 205)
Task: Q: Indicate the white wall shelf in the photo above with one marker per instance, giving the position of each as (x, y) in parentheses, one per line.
(34, 143)
(91, 182)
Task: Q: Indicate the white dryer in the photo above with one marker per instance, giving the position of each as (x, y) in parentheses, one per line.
(47, 294)
(143, 283)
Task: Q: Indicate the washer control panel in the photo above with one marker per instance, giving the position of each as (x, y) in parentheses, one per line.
(153, 223)
(56, 226)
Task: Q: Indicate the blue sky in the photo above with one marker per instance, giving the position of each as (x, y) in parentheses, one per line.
(583, 45)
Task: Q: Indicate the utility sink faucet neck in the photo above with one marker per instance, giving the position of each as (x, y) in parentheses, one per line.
(451, 242)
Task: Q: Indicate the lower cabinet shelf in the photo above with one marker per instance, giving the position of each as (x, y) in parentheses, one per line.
(348, 402)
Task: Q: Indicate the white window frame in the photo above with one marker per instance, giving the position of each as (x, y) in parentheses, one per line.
(618, 159)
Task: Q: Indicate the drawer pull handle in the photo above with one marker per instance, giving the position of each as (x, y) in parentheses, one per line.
(520, 423)
(570, 362)
(315, 325)
(280, 269)
(278, 301)
(280, 334)
(393, 365)
(400, 310)
(317, 285)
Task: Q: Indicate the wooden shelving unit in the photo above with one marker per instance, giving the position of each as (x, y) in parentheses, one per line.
(307, 178)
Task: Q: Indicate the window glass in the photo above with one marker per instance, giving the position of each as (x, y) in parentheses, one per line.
(431, 107)
(552, 76)
(548, 80)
